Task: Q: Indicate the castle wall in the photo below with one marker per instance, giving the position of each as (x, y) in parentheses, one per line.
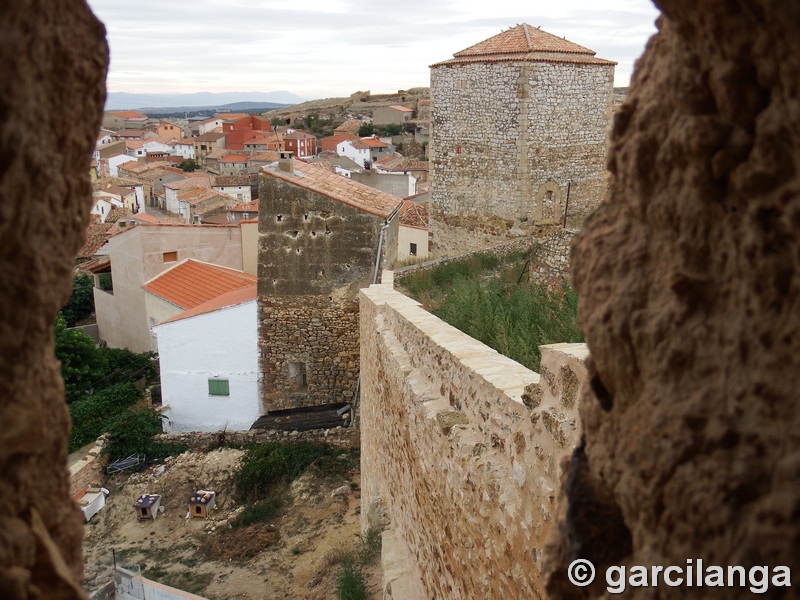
(460, 450)
(514, 144)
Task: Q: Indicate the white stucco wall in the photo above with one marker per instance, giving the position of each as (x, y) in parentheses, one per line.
(358, 156)
(236, 190)
(116, 161)
(221, 344)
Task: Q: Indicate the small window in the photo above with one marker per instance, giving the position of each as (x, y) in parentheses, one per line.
(297, 375)
(171, 256)
(412, 250)
(218, 387)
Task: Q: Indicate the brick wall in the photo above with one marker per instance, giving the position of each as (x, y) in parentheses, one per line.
(460, 448)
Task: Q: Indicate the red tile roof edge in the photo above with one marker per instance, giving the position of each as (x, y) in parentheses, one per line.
(226, 300)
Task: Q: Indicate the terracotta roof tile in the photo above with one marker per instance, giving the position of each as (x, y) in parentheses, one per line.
(524, 42)
(226, 300)
(104, 182)
(414, 214)
(191, 283)
(219, 153)
(145, 217)
(350, 126)
(336, 187)
(298, 135)
(115, 214)
(330, 143)
(373, 142)
(230, 180)
(264, 156)
(234, 158)
(402, 108)
(96, 236)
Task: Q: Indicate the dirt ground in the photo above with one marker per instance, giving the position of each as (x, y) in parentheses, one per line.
(294, 557)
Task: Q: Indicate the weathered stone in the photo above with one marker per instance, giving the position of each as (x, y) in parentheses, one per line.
(687, 276)
(53, 60)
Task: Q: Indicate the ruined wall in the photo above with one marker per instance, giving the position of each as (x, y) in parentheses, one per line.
(53, 59)
(688, 277)
(460, 450)
(314, 255)
(201, 440)
(506, 139)
(549, 264)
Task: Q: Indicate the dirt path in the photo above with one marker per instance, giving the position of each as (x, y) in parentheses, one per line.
(294, 557)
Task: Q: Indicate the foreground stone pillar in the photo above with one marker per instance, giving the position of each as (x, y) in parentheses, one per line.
(688, 278)
(53, 60)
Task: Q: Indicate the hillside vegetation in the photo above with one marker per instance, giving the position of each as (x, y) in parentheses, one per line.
(490, 299)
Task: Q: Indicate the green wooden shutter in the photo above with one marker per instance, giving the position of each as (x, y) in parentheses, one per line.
(218, 387)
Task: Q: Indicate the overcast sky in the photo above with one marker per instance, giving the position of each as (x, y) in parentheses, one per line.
(324, 48)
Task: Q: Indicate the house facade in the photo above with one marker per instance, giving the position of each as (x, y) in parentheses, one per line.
(300, 144)
(141, 252)
(209, 364)
(398, 115)
(319, 240)
(518, 138)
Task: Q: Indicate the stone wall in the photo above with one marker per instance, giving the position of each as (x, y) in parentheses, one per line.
(550, 258)
(201, 440)
(313, 255)
(53, 60)
(509, 143)
(460, 449)
(90, 470)
(688, 277)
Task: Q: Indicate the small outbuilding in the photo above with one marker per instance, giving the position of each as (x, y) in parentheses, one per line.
(200, 503)
(146, 506)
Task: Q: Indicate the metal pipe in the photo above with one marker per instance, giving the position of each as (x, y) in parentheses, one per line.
(380, 241)
(566, 205)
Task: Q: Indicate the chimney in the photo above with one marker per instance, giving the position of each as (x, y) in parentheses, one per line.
(285, 162)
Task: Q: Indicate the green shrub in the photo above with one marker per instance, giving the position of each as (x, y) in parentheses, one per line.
(93, 414)
(132, 433)
(266, 465)
(81, 301)
(264, 510)
(350, 584)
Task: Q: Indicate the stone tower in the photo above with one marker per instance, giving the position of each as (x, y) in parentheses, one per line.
(519, 125)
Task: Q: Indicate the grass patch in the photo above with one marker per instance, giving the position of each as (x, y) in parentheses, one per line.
(261, 511)
(350, 581)
(188, 581)
(267, 465)
(489, 299)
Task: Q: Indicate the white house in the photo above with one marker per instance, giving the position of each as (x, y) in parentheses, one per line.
(237, 186)
(209, 364)
(117, 160)
(102, 205)
(412, 234)
(182, 148)
(355, 150)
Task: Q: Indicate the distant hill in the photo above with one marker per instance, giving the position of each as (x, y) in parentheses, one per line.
(167, 112)
(197, 101)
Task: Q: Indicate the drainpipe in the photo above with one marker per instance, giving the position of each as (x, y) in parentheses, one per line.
(566, 205)
(380, 241)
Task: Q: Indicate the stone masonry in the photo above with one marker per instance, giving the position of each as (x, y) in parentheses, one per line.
(518, 136)
(318, 239)
(461, 450)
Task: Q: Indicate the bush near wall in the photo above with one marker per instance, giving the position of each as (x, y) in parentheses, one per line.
(488, 298)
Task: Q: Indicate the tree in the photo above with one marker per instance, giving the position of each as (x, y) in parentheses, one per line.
(366, 130)
(392, 129)
(82, 364)
(81, 302)
(189, 165)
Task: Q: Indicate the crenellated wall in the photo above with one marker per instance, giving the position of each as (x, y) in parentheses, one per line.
(460, 451)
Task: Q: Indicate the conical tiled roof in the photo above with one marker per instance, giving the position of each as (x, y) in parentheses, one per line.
(524, 42)
(524, 39)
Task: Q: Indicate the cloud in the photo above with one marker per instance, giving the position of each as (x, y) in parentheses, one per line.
(335, 47)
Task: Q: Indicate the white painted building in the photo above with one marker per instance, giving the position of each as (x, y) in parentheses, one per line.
(209, 365)
(355, 150)
(117, 160)
(182, 148)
